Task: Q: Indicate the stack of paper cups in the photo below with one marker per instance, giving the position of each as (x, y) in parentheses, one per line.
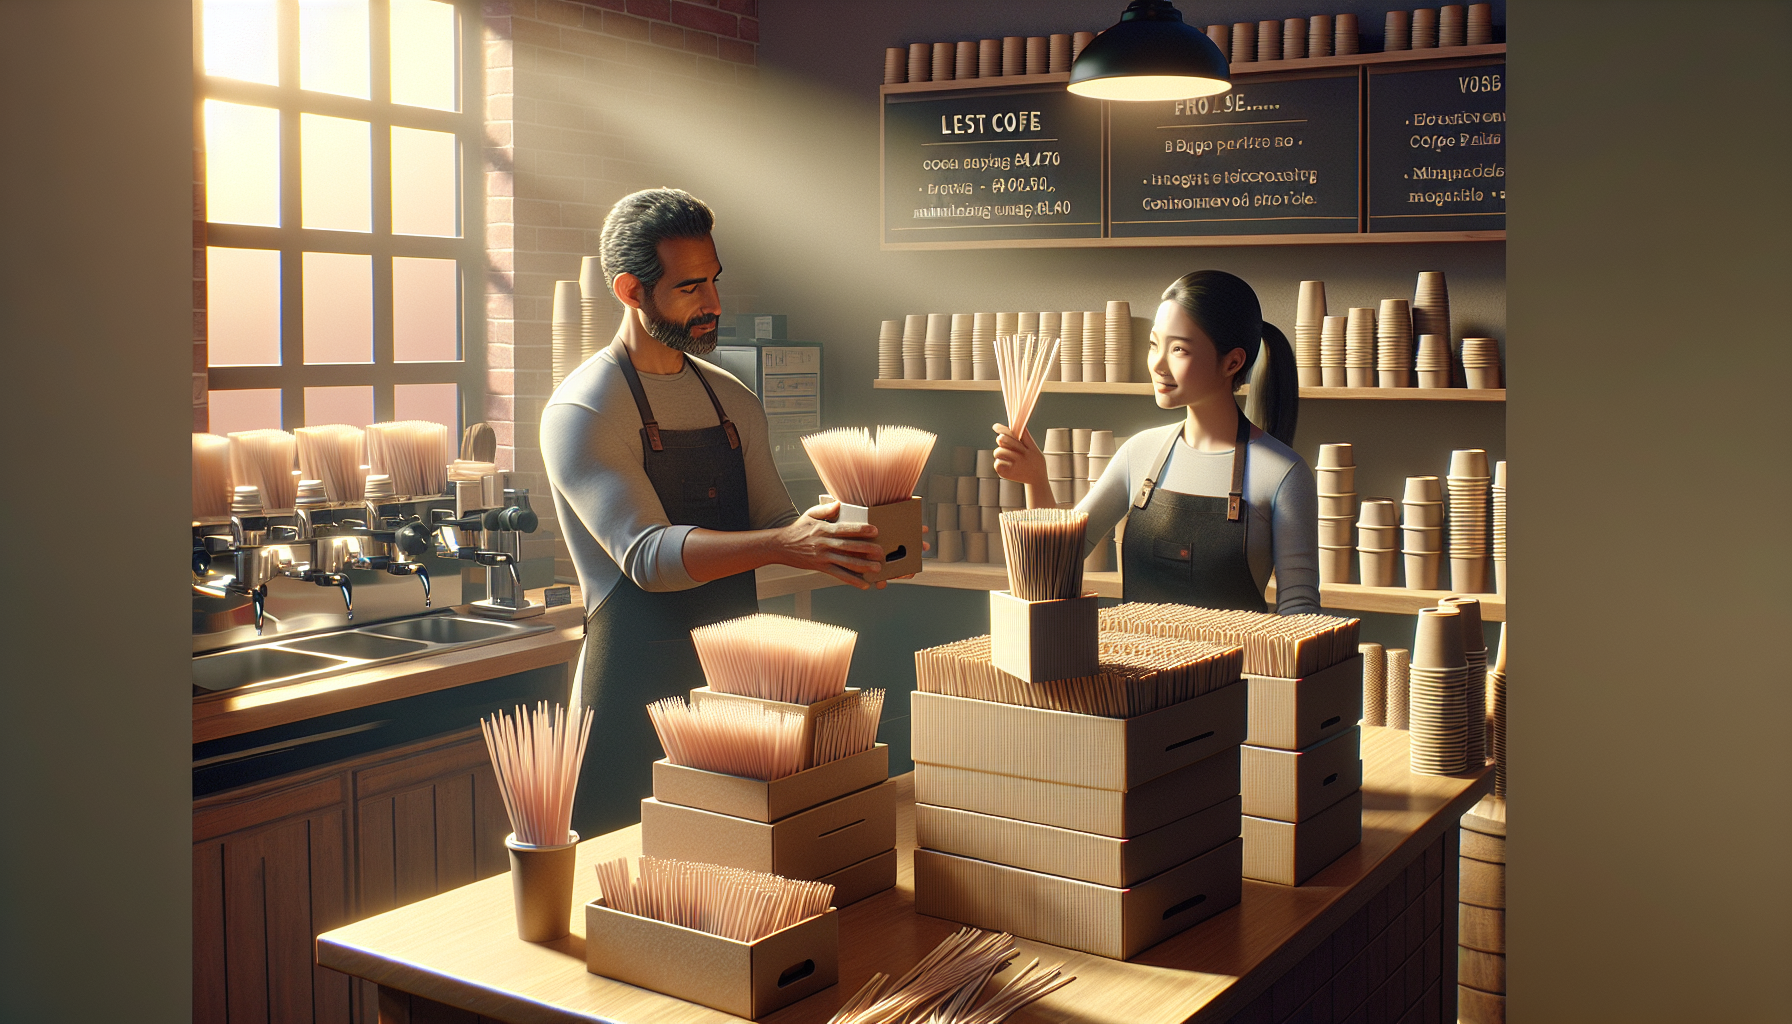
(1028, 325)
(1424, 28)
(1060, 465)
(914, 347)
(1058, 60)
(1294, 38)
(1014, 55)
(1359, 347)
(1346, 39)
(1437, 699)
(591, 287)
(1481, 362)
(965, 62)
(1393, 344)
(938, 346)
(920, 62)
(1474, 647)
(989, 58)
(1433, 361)
(1337, 501)
(1221, 35)
(1480, 24)
(1331, 353)
(1244, 42)
(1496, 715)
(1051, 325)
(1375, 549)
(1422, 531)
(983, 347)
(1375, 684)
(1499, 528)
(945, 61)
(1070, 347)
(1431, 309)
(895, 65)
(1119, 342)
(1037, 55)
(1397, 35)
(889, 350)
(1451, 29)
(1309, 321)
(1079, 40)
(1467, 485)
(1319, 43)
(568, 321)
(1094, 346)
(960, 346)
(1399, 676)
(1269, 40)
(976, 547)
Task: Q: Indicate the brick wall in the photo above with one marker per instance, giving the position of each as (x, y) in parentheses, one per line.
(201, 371)
(573, 89)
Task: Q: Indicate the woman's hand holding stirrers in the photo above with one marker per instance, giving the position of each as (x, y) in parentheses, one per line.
(1023, 362)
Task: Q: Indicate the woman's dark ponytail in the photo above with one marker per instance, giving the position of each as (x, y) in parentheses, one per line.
(1227, 311)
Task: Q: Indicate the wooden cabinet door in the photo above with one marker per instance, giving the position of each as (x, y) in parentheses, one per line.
(269, 873)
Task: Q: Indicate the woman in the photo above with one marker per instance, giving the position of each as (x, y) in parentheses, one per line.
(1212, 504)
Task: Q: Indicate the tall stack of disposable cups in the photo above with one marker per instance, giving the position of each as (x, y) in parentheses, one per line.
(1474, 694)
(1079, 462)
(1320, 36)
(989, 58)
(1481, 363)
(592, 287)
(568, 320)
(1499, 528)
(1051, 325)
(1424, 28)
(1346, 38)
(1269, 40)
(1058, 54)
(1479, 31)
(1467, 484)
(1359, 347)
(1095, 346)
(979, 519)
(914, 347)
(1331, 352)
(1450, 28)
(1397, 31)
(889, 350)
(1119, 342)
(945, 61)
(1244, 42)
(983, 347)
(1393, 344)
(1037, 55)
(1422, 531)
(1309, 323)
(938, 346)
(960, 346)
(1101, 452)
(1437, 700)
(1433, 361)
(1375, 550)
(1070, 346)
(895, 65)
(1337, 501)
(1060, 465)
(1027, 324)
(1221, 35)
(1431, 315)
(965, 59)
(920, 62)
(942, 504)
(1294, 38)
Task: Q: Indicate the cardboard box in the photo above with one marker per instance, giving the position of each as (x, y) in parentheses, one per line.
(1294, 785)
(1290, 853)
(741, 797)
(1106, 921)
(1106, 812)
(746, 979)
(1292, 714)
(810, 712)
(898, 533)
(808, 845)
(1042, 641)
(1085, 856)
(1078, 750)
(866, 878)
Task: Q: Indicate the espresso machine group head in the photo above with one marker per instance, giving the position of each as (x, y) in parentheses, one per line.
(487, 529)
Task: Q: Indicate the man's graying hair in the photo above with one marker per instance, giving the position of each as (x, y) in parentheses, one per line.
(637, 224)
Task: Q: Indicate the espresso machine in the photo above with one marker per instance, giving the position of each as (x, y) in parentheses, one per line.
(487, 528)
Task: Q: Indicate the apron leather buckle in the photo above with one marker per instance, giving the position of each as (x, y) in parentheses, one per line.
(733, 434)
(653, 435)
(1232, 501)
(1144, 497)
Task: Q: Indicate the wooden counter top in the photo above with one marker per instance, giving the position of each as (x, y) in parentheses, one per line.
(460, 948)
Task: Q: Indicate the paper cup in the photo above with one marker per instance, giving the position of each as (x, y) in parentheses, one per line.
(990, 520)
(951, 545)
(1059, 465)
(1057, 440)
(1400, 378)
(989, 492)
(1337, 455)
(967, 490)
(1438, 640)
(1469, 575)
(1337, 504)
(1098, 464)
(986, 463)
(945, 517)
(1319, 42)
(1336, 479)
(1359, 377)
(1425, 539)
(1424, 489)
(1334, 564)
(1376, 568)
(1469, 462)
(1013, 494)
(1101, 443)
(1421, 569)
(1079, 440)
(1294, 38)
(1062, 492)
(1346, 39)
(1486, 378)
(541, 888)
(1337, 531)
(1499, 576)
(1379, 538)
(976, 547)
(1425, 515)
(1269, 40)
(1309, 307)
(1309, 376)
(1334, 377)
(1397, 35)
(1379, 512)
(1434, 378)
(1244, 42)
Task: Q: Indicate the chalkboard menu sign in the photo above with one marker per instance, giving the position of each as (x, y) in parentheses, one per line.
(1437, 149)
(1269, 157)
(991, 164)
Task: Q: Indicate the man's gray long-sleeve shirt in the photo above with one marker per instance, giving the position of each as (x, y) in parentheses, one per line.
(612, 518)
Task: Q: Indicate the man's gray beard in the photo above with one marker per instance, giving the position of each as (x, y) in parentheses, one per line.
(677, 337)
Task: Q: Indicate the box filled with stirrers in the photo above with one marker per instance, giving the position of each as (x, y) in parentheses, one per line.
(1044, 641)
(811, 714)
(806, 845)
(1106, 921)
(1289, 853)
(1284, 646)
(1290, 714)
(874, 479)
(1136, 675)
(776, 800)
(743, 945)
(1294, 785)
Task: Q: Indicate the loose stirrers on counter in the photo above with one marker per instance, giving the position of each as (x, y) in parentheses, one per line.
(1045, 552)
(1285, 646)
(860, 470)
(211, 475)
(537, 759)
(1139, 674)
(415, 453)
(941, 988)
(1022, 363)
(734, 903)
(850, 728)
(775, 657)
(748, 740)
(333, 453)
(264, 459)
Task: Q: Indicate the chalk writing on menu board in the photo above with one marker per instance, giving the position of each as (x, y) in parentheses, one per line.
(1437, 149)
(1268, 157)
(991, 164)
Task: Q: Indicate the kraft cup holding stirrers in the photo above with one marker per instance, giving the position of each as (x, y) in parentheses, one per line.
(541, 885)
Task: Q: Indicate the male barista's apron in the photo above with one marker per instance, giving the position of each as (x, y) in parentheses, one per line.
(638, 644)
(1190, 548)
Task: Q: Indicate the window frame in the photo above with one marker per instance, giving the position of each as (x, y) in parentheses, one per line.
(292, 240)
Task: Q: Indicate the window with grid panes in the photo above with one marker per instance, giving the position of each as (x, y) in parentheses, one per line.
(344, 225)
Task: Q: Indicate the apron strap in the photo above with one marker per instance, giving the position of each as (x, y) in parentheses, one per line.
(648, 423)
(1149, 484)
(1234, 497)
(727, 424)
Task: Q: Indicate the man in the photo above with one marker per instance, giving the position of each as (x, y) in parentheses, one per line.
(666, 493)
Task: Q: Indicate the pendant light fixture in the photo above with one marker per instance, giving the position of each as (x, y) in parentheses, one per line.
(1150, 54)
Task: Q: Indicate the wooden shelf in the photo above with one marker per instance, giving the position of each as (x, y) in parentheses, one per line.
(1202, 241)
(1141, 388)
(1354, 597)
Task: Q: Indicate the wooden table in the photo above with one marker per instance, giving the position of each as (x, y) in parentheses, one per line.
(1261, 960)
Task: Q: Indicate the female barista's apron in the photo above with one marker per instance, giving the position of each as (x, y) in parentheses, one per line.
(638, 644)
(1190, 548)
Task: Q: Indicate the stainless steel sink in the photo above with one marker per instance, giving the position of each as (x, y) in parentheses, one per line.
(278, 662)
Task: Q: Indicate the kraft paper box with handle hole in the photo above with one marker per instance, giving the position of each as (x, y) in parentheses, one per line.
(1289, 853)
(1043, 641)
(816, 842)
(755, 800)
(1106, 812)
(1292, 714)
(1084, 856)
(1106, 921)
(810, 712)
(866, 878)
(1080, 750)
(898, 533)
(1294, 785)
(746, 979)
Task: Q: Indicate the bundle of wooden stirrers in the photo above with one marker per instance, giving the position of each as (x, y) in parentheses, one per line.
(414, 453)
(775, 657)
(333, 453)
(1045, 552)
(734, 903)
(211, 475)
(1139, 674)
(860, 470)
(729, 737)
(537, 756)
(848, 728)
(1285, 646)
(1022, 363)
(941, 988)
